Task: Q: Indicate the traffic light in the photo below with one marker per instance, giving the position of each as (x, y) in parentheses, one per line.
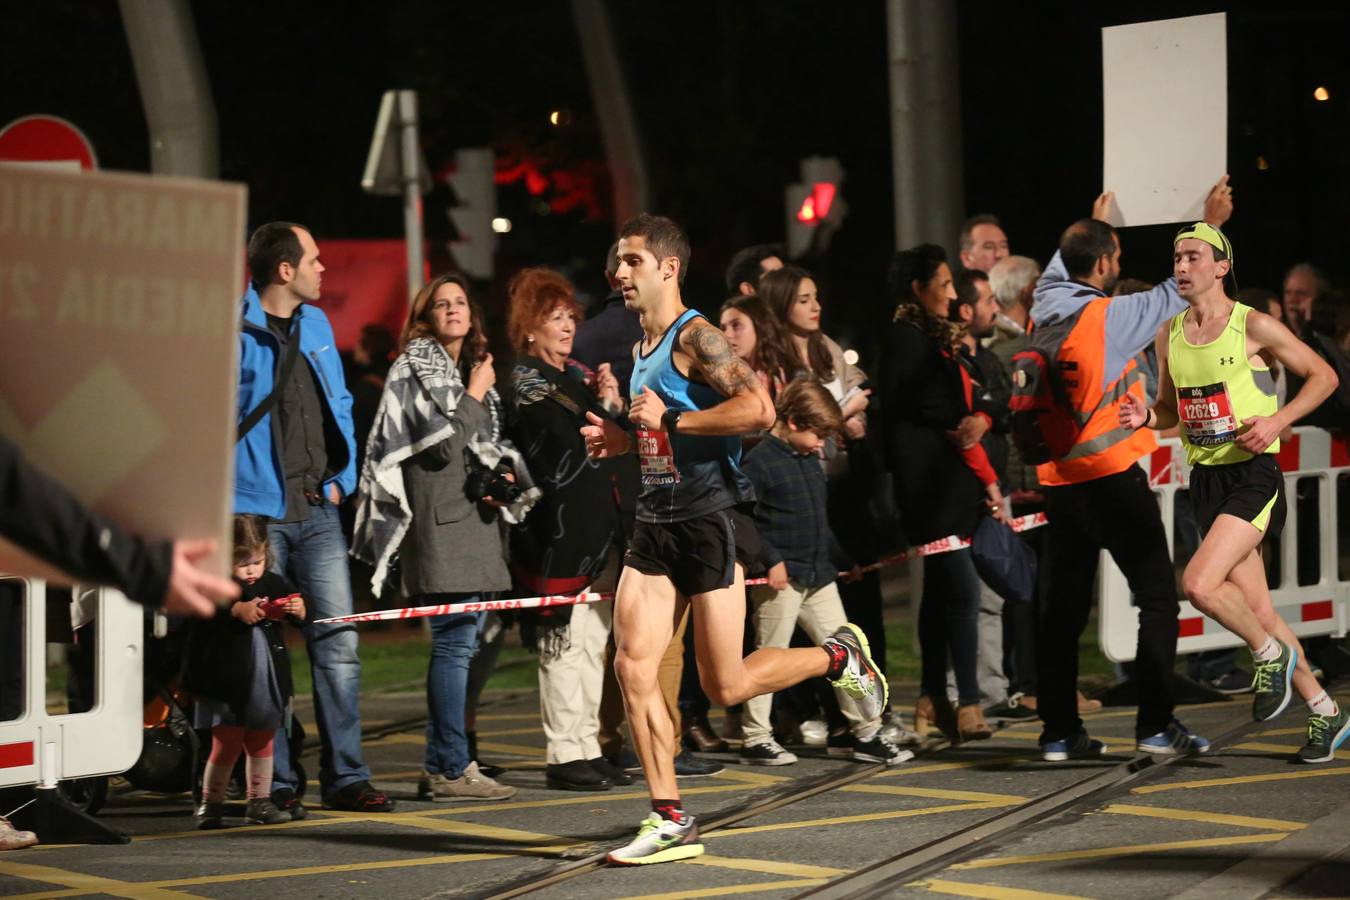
(474, 182)
(814, 207)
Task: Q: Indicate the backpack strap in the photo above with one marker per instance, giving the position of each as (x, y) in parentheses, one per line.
(288, 358)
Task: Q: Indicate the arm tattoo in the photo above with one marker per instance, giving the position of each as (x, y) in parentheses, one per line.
(724, 370)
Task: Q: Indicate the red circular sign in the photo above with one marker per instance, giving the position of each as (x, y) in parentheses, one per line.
(44, 138)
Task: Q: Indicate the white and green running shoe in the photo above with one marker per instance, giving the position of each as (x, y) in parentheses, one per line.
(861, 678)
(659, 840)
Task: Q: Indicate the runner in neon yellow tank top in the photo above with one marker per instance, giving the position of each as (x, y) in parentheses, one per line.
(1213, 385)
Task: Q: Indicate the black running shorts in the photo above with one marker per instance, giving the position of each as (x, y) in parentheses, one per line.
(1252, 490)
(698, 555)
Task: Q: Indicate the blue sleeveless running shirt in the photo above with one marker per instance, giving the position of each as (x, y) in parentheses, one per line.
(683, 476)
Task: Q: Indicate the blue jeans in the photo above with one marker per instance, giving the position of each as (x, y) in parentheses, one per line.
(453, 642)
(313, 555)
(947, 621)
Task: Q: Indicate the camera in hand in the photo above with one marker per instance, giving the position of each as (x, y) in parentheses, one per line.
(482, 483)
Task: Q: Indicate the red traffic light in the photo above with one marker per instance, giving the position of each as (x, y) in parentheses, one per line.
(816, 205)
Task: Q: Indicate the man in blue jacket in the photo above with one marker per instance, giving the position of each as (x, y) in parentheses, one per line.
(294, 463)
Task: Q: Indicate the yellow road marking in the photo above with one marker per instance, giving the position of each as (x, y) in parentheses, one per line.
(86, 884)
(1261, 747)
(900, 771)
(1036, 736)
(1131, 850)
(504, 732)
(509, 717)
(1282, 732)
(729, 889)
(990, 891)
(1240, 779)
(1195, 815)
(298, 871)
(934, 793)
(737, 773)
(492, 832)
(767, 866)
(864, 817)
(515, 749)
(597, 798)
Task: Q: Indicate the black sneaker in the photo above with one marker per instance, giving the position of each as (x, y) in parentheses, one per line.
(1234, 681)
(606, 768)
(359, 796)
(687, 765)
(1079, 746)
(879, 750)
(839, 743)
(627, 760)
(210, 816)
(767, 753)
(262, 811)
(1010, 710)
(285, 800)
(577, 775)
(1273, 684)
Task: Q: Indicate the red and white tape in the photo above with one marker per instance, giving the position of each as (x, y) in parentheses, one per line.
(932, 548)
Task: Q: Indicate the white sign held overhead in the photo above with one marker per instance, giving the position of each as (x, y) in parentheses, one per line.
(1165, 117)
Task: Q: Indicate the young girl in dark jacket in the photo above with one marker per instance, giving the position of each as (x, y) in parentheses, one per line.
(240, 674)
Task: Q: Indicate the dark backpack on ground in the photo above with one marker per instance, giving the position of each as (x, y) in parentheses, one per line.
(1044, 425)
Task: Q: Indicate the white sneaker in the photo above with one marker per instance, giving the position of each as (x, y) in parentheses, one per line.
(12, 838)
(813, 732)
(659, 840)
(893, 730)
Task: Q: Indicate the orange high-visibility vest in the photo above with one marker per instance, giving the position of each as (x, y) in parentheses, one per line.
(1103, 447)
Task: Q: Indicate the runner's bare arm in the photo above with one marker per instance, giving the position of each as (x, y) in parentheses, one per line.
(747, 407)
(1165, 406)
(1267, 333)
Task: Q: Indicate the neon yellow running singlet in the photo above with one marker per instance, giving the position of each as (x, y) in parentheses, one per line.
(1217, 387)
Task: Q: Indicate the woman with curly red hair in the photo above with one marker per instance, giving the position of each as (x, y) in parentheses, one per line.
(571, 541)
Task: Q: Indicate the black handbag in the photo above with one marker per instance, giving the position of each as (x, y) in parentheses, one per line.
(1004, 561)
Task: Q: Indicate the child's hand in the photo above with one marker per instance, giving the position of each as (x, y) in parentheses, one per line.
(250, 612)
(778, 579)
(296, 607)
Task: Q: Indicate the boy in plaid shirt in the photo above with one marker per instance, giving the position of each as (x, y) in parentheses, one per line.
(798, 553)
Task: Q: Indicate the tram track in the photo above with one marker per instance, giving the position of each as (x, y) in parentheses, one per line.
(966, 843)
(882, 876)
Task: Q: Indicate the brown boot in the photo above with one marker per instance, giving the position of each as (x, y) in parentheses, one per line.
(971, 724)
(699, 737)
(936, 713)
(1087, 706)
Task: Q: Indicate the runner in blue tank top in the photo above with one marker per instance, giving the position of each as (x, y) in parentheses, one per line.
(692, 399)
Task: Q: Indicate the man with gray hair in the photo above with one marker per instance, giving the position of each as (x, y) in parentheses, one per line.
(1303, 284)
(982, 241)
(1014, 282)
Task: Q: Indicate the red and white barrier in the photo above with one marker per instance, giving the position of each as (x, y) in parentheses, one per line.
(41, 748)
(1310, 610)
(942, 545)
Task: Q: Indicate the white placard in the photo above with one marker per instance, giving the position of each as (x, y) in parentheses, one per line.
(119, 335)
(1165, 104)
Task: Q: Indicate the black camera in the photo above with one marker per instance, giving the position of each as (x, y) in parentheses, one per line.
(482, 483)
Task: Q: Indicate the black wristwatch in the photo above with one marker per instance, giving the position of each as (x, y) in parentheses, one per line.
(671, 419)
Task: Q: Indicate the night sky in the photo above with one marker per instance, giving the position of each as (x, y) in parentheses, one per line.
(729, 97)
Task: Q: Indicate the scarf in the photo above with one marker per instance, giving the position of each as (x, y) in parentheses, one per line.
(421, 393)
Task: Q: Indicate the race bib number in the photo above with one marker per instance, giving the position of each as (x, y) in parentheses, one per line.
(657, 459)
(1206, 415)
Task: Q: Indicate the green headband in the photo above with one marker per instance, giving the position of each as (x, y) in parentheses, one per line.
(1203, 231)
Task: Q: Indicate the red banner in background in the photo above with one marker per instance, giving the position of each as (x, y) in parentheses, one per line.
(364, 282)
